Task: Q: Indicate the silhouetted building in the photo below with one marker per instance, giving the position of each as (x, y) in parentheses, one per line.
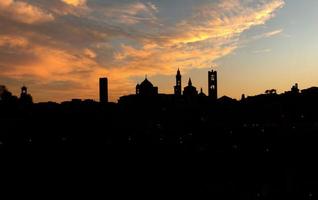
(226, 100)
(103, 90)
(271, 92)
(6, 96)
(310, 91)
(295, 89)
(212, 84)
(243, 97)
(178, 87)
(146, 88)
(25, 98)
(190, 90)
(24, 91)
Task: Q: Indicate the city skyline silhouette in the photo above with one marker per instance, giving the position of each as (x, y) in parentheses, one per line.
(260, 147)
(148, 89)
(199, 99)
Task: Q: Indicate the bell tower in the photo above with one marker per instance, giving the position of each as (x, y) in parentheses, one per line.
(213, 85)
(178, 88)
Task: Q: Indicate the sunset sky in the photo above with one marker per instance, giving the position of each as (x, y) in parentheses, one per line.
(60, 48)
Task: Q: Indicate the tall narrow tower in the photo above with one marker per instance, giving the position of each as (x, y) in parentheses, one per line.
(178, 88)
(103, 90)
(213, 84)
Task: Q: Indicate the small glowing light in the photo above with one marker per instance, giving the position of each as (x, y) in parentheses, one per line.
(310, 194)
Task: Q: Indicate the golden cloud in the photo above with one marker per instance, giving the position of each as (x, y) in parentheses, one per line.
(75, 2)
(131, 13)
(115, 45)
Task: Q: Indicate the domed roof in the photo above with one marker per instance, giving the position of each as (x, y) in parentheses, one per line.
(146, 83)
(202, 93)
(190, 86)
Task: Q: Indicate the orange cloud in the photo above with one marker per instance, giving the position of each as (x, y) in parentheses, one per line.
(131, 13)
(67, 57)
(225, 20)
(199, 40)
(51, 67)
(12, 41)
(24, 12)
(75, 2)
(89, 53)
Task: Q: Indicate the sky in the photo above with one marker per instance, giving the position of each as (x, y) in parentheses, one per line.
(60, 48)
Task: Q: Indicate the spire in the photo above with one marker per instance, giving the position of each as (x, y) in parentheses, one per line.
(190, 82)
(201, 94)
(178, 72)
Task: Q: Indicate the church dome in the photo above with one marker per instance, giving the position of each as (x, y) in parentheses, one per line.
(201, 94)
(146, 84)
(146, 88)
